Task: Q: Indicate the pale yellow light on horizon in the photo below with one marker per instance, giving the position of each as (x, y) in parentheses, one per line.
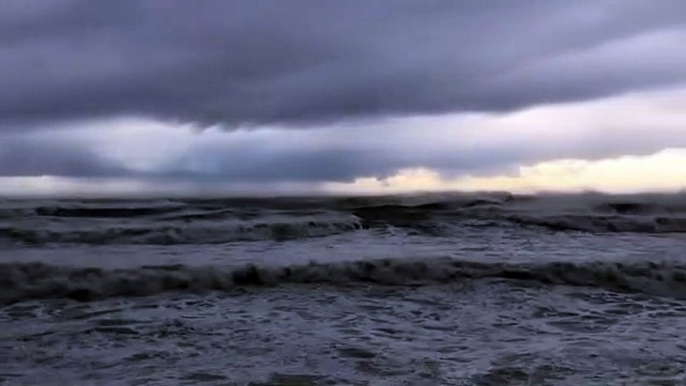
(663, 171)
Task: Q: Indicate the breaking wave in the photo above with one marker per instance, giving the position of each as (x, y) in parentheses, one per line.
(213, 221)
(603, 224)
(171, 234)
(25, 281)
(593, 214)
(103, 211)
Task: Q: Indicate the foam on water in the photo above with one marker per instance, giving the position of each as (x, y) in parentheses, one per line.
(477, 333)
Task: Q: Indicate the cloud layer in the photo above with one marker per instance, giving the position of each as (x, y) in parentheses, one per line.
(309, 62)
(452, 146)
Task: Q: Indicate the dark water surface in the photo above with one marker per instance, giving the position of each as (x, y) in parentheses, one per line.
(420, 290)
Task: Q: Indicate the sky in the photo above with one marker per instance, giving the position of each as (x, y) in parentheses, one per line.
(101, 97)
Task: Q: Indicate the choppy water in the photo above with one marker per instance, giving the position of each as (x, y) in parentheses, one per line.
(423, 290)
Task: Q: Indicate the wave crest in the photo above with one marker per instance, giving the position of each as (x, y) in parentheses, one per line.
(173, 234)
(24, 281)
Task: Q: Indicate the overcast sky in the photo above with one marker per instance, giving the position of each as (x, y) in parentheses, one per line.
(341, 96)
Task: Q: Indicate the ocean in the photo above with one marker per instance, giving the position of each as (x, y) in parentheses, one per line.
(432, 289)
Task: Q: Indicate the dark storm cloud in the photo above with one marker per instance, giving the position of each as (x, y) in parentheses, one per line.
(252, 62)
(37, 157)
(22, 158)
(257, 166)
(317, 165)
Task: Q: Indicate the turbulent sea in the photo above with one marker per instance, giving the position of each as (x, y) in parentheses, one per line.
(490, 289)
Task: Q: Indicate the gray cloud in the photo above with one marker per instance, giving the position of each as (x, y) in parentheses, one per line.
(26, 158)
(316, 165)
(39, 155)
(253, 62)
(306, 63)
(254, 163)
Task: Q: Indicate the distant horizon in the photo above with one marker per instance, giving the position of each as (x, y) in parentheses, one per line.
(335, 195)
